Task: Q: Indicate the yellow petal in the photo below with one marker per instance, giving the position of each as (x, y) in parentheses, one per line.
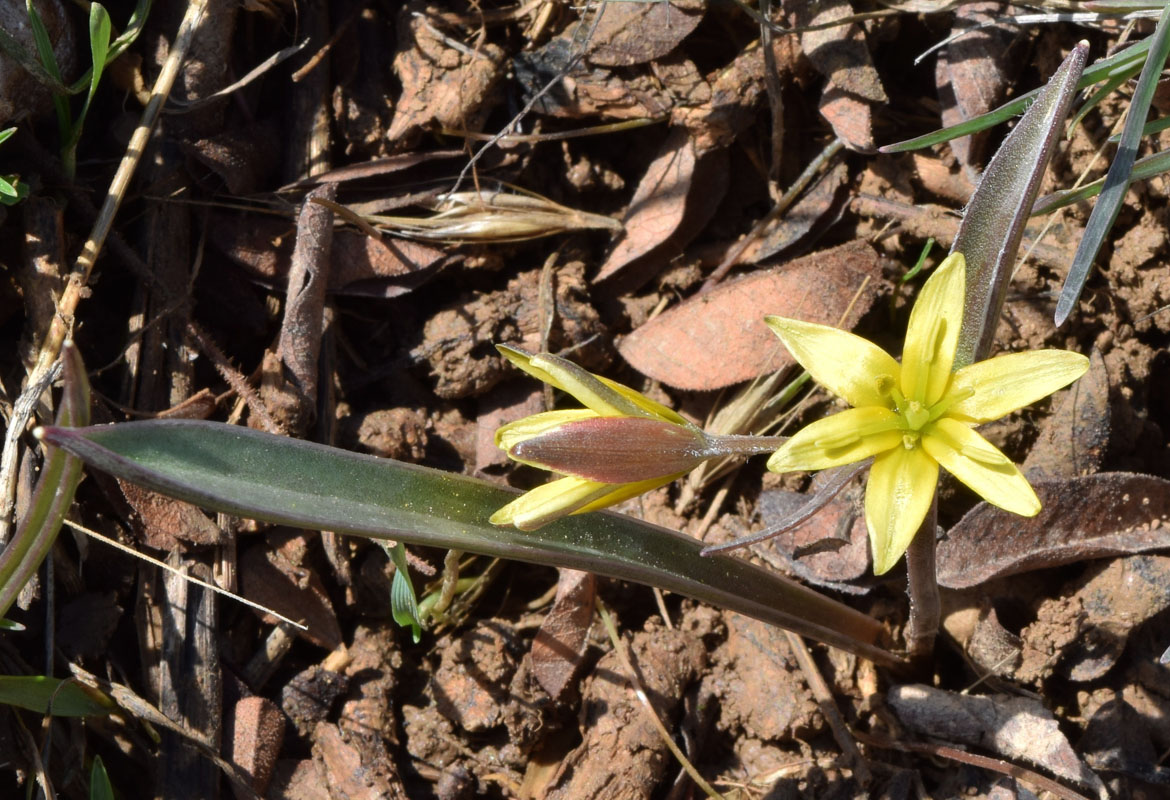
(608, 398)
(645, 403)
(897, 498)
(511, 434)
(552, 501)
(980, 464)
(933, 332)
(1000, 385)
(840, 439)
(847, 365)
(624, 491)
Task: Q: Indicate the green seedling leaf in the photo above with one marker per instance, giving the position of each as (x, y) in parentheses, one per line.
(993, 223)
(48, 60)
(100, 31)
(403, 602)
(1118, 178)
(1127, 59)
(253, 474)
(100, 787)
(61, 697)
(61, 473)
(9, 625)
(1143, 169)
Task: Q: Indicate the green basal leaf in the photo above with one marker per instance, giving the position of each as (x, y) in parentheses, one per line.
(61, 697)
(1118, 178)
(100, 787)
(403, 603)
(61, 473)
(253, 474)
(993, 223)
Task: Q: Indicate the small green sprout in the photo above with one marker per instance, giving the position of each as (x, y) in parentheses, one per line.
(915, 416)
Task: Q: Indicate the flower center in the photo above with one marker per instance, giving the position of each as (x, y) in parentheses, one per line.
(916, 415)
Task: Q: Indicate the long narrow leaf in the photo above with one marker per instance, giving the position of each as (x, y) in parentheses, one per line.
(60, 475)
(993, 223)
(1118, 178)
(1143, 169)
(254, 474)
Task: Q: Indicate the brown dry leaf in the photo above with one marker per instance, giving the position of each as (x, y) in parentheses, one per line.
(441, 86)
(830, 549)
(560, 642)
(841, 54)
(1076, 434)
(1013, 727)
(514, 401)
(587, 92)
(276, 579)
(972, 73)
(729, 108)
(634, 33)
(164, 523)
(675, 199)
(1113, 513)
(719, 338)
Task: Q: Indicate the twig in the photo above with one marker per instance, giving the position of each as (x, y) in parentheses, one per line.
(782, 205)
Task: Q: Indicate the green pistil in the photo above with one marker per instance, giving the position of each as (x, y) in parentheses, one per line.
(944, 405)
(916, 416)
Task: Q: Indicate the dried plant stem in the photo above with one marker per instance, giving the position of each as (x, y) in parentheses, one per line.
(922, 587)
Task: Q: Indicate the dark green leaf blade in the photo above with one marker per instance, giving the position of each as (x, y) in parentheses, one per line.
(254, 474)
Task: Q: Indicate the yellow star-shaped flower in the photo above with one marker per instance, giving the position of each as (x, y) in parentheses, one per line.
(915, 416)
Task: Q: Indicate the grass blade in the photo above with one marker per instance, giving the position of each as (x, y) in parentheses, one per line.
(1118, 178)
(254, 474)
(63, 697)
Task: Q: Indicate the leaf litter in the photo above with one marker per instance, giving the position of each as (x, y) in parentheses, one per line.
(663, 134)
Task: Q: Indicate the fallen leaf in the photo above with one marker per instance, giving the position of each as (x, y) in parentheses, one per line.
(972, 73)
(830, 549)
(1113, 513)
(560, 643)
(1076, 435)
(719, 338)
(674, 200)
(850, 117)
(634, 33)
(361, 265)
(1013, 727)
